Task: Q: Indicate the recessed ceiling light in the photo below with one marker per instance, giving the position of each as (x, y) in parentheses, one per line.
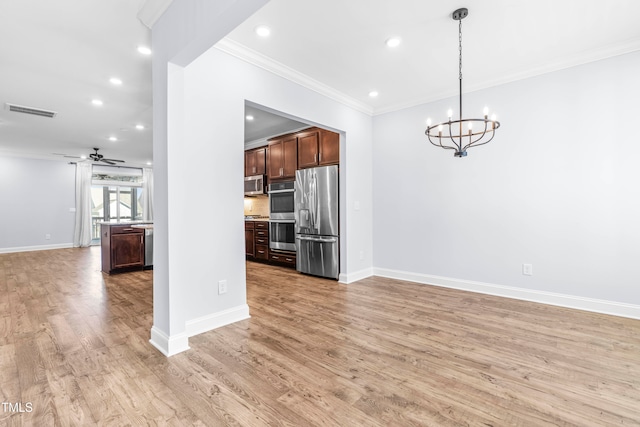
(139, 127)
(96, 102)
(83, 157)
(149, 163)
(373, 94)
(144, 50)
(393, 42)
(115, 81)
(249, 118)
(263, 31)
(113, 138)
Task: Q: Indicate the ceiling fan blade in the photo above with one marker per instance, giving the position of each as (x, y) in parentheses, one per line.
(107, 161)
(115, 160)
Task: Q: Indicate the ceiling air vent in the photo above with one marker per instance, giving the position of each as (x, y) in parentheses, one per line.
(30, 110)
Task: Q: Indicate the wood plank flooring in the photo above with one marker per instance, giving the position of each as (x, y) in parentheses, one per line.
(74, 346)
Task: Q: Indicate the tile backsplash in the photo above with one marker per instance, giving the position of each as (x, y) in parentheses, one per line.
(258, 205)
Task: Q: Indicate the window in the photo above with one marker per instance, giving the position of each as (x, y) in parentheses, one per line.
(115, 196)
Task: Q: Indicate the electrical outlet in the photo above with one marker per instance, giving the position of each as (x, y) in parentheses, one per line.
(47, 236)
(222, 287)
(527, 269)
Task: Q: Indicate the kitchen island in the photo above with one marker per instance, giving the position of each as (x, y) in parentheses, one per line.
(123, 245)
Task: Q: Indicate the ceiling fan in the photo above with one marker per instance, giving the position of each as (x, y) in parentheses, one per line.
(100, 158)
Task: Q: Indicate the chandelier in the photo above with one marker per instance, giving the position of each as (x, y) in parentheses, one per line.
(461, 134)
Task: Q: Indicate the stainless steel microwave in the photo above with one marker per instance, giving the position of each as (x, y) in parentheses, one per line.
(254, 185)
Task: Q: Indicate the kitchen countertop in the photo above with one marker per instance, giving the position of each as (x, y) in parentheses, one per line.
(124, 222)
(148, 226)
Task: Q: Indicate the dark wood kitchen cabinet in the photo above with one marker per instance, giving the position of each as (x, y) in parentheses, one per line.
(256, 239)
(249, 233)
(318, 147)
(282, 158)
(255, 161)
(122, 247)
(262, 240)
(284, 258)
(308, 148)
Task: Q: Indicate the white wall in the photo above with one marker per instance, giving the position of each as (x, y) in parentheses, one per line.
(206, 164)
(186, 29)
(35, 197)
(557, 188)
(198, 155)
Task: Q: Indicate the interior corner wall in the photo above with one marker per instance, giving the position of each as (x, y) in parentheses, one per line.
(557, 188)
(36, 198)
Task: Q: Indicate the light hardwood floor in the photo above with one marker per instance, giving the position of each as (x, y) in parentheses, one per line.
(74, 345)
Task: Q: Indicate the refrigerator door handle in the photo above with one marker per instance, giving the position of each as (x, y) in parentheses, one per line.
(317, 239)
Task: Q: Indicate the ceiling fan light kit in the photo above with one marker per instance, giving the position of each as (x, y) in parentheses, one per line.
(461, 134)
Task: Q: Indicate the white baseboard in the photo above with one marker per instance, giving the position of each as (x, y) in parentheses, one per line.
(175, 344)
(216, 320)
(570, 301)
(354, 277)
(35, 248)
(169, 346)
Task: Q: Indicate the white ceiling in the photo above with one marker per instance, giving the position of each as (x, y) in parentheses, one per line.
(60, 55)
(265, 124)
(341, 43)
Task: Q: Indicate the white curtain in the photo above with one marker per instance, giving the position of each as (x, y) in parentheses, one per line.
(82, 233)
(147, 194)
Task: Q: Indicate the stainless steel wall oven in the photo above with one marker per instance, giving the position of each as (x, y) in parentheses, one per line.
(282, 234)
(281, 200)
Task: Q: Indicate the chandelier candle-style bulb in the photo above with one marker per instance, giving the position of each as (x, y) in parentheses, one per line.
(451, 134)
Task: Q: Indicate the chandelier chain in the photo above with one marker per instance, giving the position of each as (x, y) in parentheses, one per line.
(460, 47)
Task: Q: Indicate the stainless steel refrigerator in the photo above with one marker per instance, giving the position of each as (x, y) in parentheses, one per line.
(317, 228)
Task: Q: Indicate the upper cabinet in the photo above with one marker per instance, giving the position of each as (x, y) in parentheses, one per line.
(308, 148)
(255, 161)
(282, 158)
(318, 147)
(287, 153)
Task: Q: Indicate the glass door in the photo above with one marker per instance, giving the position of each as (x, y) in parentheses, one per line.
(114, 203)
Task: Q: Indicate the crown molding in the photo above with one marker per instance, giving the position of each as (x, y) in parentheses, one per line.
(152, 10)
(242, 52)
(570, 61)
(255, 58)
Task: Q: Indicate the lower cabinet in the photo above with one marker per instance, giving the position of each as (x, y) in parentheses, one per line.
(249, 239)
(256, 240)
(284, 258)
(122, 247)
(262, 240)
